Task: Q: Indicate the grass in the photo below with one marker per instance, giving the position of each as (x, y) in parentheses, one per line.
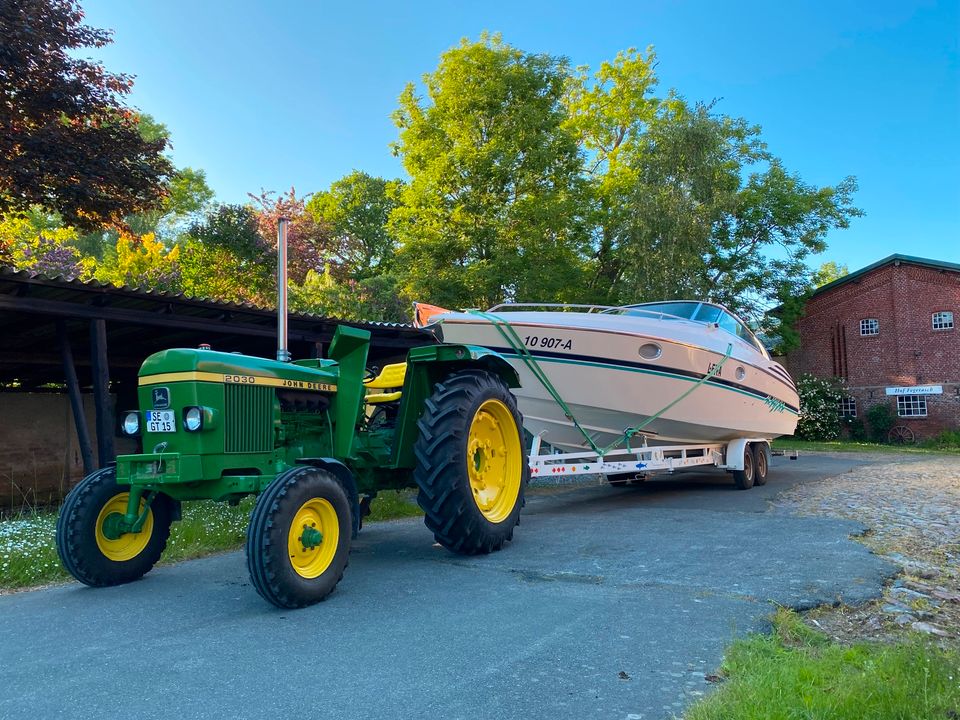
(851, 446)
(798, 672)
(28, 553)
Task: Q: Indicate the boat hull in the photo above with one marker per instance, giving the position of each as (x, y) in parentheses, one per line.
(610, 387)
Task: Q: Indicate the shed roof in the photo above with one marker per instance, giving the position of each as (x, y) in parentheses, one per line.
(140, 322)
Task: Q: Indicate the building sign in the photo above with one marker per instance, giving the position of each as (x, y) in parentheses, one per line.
(916, 390)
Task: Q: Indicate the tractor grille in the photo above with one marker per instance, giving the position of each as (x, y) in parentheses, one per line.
(248, 415)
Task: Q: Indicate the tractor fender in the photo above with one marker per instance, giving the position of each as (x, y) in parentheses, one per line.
(343, 475)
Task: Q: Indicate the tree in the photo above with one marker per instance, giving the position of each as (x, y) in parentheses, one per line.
(224, 257)
(67, 141)
(308, 242)
(357, 209)
(828, 272)
(36, 242)
(142, 262)
(491, 209)
(373, 298)
(691, 203)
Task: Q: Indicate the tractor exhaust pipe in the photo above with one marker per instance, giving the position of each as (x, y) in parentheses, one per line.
(283, 354)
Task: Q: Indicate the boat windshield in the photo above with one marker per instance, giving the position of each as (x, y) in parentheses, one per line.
(697, 312)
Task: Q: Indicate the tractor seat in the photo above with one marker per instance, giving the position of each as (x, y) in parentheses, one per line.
(390, 377)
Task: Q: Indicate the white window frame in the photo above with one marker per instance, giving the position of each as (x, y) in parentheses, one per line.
(847, 407)
(912, 406)
(869, 327)
(942, 320)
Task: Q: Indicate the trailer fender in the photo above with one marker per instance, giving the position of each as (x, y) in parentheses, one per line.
(343, 475)
(735, 450)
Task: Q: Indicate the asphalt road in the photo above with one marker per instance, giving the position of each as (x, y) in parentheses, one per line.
(610, 603)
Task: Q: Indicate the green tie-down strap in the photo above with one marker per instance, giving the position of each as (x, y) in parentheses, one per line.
(514, 341)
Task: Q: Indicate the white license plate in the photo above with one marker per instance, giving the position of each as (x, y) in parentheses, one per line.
(160, 421)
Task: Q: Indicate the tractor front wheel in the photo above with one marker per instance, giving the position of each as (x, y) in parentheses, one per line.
(298, 540)
(88, 547)
(471, 466)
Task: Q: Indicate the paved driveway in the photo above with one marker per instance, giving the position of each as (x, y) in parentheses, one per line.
(610, 603)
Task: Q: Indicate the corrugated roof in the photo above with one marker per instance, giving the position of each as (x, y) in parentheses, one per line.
(97, 286)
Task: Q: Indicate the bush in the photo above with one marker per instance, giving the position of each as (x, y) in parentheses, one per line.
(854, 429)
(881, 418)
(819, 417)
(946, 440)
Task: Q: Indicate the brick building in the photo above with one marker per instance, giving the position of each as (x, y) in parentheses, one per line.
(892, 331)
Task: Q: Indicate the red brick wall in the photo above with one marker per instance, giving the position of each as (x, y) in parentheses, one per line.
(908, 351)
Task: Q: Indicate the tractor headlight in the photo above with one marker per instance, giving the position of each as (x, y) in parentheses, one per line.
(131, 423)
(192, 419)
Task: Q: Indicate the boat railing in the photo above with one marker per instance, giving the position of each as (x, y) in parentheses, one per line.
(570, 307)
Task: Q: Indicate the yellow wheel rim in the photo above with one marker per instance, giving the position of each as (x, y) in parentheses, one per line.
(494, 460)
(129, 545)
(308, 560)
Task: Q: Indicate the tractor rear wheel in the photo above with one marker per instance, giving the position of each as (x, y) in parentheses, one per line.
(298, 540)
(90, 551)
(471, 464)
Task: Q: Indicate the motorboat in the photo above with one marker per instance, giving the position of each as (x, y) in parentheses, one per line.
(671, 372)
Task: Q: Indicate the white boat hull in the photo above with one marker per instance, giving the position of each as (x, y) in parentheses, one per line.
(610, 388)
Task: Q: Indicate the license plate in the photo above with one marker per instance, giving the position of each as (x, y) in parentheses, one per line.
(160, 421)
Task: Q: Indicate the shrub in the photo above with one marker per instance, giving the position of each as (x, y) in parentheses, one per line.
(946, 440)
(854, 429)
(819, 417)
(881, 418)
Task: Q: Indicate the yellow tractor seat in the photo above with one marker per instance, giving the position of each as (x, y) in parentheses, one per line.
(390, 377)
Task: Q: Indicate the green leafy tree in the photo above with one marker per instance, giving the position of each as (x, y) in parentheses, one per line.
(373, 298)
(357, 209)
(142, 262)
(67, 140)
(828, 272)
(492, 207)
(37, 242)
(224, 257)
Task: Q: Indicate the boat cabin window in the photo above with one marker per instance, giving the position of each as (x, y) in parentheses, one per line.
(698, 312)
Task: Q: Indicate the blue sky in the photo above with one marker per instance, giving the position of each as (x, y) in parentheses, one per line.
(273, 95)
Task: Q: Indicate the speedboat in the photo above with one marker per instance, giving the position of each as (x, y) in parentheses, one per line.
(671, 372)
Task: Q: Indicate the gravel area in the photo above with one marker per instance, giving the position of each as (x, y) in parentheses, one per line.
(911, 507)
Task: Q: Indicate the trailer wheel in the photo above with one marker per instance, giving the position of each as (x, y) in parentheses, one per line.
(761, 463)
(87, 548)
(471, 464)
(298, 540)
(745, 478)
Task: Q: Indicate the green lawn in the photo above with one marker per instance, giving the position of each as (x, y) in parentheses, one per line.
(28, 553)
(797, 674)
(790, 443)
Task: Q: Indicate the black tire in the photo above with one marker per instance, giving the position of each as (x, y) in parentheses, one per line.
(761, 463)
(77, 543)
(272, 571)
(746, 477)
(446, 495)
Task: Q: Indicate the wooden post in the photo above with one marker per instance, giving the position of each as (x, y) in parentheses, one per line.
(101, 391)
(76, 399)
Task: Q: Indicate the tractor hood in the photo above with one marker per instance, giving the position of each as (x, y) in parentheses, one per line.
(184, 364)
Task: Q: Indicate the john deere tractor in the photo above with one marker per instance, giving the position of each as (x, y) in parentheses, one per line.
(315, 440)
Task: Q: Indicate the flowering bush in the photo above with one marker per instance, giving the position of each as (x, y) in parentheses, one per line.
(819, 416)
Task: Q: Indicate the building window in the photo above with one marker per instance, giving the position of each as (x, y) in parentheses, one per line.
(943, 320)
(912, 405)
(870, 326)
(848, 407)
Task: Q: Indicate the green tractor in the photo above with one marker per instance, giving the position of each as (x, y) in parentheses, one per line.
(315, 440)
